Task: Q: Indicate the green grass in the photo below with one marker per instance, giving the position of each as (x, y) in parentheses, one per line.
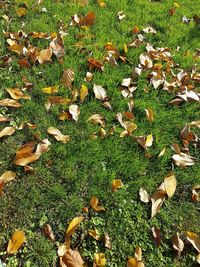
(84, 167)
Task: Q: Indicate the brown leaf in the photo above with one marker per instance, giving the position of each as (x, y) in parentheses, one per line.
(23, 62)
(144, 196)
(74, 225)
(156, 235)
(136, 29)
(72, 258)
(170, 184)
(7, 131)
(107, 240)
(16, 241)
(95, 64)
(149, 114)
(44, 55)
(47, 230)
(67, 78)
(17, 48)
(178, 244)
(196, 193)
(194, 240)
(94, 201)
(88, 20)
(58, 135)
(9, 103)
(97, 119)
(116, 184)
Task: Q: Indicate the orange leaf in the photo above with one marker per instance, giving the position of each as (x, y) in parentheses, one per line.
(94, 204)
(16, 241)
(88, 20)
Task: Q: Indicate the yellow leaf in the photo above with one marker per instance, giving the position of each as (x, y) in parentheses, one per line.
(74, 225)
(51, 89)
(21, 11)
(83, 92)
(116, 184)
(99, 260)
(132, 262)
(94, 234)
(149, 140)
(170, 184)
(16, 241)
(94, 204)
(7, 176)
(125, 48)
(194, 240)
(176, 5)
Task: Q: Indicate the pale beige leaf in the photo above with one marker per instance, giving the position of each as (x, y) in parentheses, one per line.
(7, 131)
(44, 56)
(74, 110)
(7, 102)
(99, 92)
(97, 119)
(178, 244)
(170, 184)
(157, 200)
(108, 242)
(58, 135)
(183, 159)
(144, 196)
(16, 241)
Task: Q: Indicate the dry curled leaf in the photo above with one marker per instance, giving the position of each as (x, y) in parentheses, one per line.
(72, 258)
(7, 131)
(17, 94)
(58, 135)
(7, 102)
(116, 184)
(44, 55)
(157, 200)
(107, 240)
(196, 193)
(97, 119)
(149, 114)
(74, 110)
(156, 235)
(73, 225)
(47, 230)
(178, 244)
(144, 196)
(94, 234)
(183, 159)
(95, 64)
(7, 176)
(99, 260)
(194, 240)
(16, 241)
(94, 203)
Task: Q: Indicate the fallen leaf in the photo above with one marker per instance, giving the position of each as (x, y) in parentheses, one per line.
(99, 92)
(67, 78)
(196, 193)
(99, 260)
(144, 196)
(178, 244)
(95, 64)
(136, 29)
(16, 241)
(157, 200)
(87, 20)
(3, 118)
(51, 89)
(17, 94)
(94, 234)
(107, 240)
(7, 131)
(170, 184)
(149, 140)
(44, 55)
(97, 119)
(9, 103)
(21, 12)
(183, 159)
(194, 240)
(58, 135)
(72, 258)
(47, 230)
(7, 176)
(149, 114)
(156, 235)
(120, 15)
(74, 110)
(83, 92)
(116, 184)
(74, 225)
(94, 201)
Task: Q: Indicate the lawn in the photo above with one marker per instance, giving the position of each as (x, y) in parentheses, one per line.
(65, 178)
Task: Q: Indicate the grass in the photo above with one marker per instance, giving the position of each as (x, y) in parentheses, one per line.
(85, 167)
